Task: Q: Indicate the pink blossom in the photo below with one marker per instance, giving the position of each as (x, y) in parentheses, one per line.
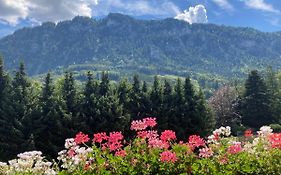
(275, 140)
(114, 141)
(99, 137)
(168, 135)
(157, 143)
(138, 125)
(168, 156)
(205, 152)
(235, 148)
(115, 137)
(71, 152)
(147, 134)
(150, 122)
(195, 141)
(81, 138)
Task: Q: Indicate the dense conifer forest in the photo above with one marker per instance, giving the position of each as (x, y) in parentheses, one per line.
(41, 115)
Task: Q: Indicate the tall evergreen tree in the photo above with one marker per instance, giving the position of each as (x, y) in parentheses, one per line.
(204, 120)
(49, 132)
(89, 106)
(255, 107)
(156, 98)
(104, 85)
(274, 93)
(135, 99)
(8, 132)
(69, 93)
(16, 114)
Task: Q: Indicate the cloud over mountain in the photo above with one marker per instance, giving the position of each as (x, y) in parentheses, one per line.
(196, 14)
(11, 11)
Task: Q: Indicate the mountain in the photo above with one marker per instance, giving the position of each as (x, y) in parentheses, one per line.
(123, 44)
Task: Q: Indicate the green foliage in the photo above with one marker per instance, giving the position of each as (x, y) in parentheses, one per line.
(255, 107)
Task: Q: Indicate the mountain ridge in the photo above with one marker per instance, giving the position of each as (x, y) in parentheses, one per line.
(120, 42)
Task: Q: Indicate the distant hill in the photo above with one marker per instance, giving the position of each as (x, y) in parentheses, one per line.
(123, 44)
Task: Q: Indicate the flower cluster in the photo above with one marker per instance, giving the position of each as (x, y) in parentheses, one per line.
(168, 156)
(30, 162)
(139, 125)
(153, 153)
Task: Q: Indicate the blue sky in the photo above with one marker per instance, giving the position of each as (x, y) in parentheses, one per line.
(264, 15)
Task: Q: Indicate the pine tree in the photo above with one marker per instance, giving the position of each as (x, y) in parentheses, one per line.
(14, 111)
(89, 111)
(124, 91)
(273, 93)
(135, 106)
(111, 115)
(156, 98)
(104, 85)
(177, 114)
(167, 104)
(69, 93)
(49, 132)
(203, 121)
(8, 137)
(255, 107)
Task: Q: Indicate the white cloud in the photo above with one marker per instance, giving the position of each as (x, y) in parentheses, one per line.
(12, 11)
(224, 4)
(137, 7)
(197, 14)
(261, 5)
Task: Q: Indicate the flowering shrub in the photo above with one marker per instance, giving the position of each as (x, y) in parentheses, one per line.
(151, 152)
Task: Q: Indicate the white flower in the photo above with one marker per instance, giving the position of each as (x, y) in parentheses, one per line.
(265, 131)
(69, 143)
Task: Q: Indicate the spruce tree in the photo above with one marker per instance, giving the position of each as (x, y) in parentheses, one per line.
(89, 111)
(156, 98)
(8, 132)
(177, 114)
(255, 107)
(69, 93)
(104, 85)
(203, 120)
(135, 99)
(49, 132)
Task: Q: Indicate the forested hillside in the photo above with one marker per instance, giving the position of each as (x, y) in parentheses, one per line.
(124, 45)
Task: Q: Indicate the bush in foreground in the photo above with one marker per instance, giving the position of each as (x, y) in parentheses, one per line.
(151, 152)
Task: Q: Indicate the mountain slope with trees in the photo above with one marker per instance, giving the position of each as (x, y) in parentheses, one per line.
(123, 44)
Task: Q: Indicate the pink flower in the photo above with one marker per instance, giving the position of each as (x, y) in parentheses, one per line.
(168, 135)
(235, 148)
(71, 152)
(81, 138)
(115, 137)
(195, 141)
(205, 152)
(138, 125)
(275, 140)
(157, 143)
(99, 137)
(114, 141)
(150, 122)
(114, 146)
(147, 134)
(168, 156)
(121, 153)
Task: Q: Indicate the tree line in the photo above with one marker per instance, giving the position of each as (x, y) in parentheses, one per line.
(40, 116)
